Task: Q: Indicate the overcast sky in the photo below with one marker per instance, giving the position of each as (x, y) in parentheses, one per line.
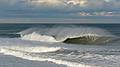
(54, 8)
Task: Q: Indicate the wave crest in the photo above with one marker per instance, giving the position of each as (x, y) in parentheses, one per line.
(38, 37)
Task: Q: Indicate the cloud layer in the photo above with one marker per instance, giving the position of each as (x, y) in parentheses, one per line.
(55, 7)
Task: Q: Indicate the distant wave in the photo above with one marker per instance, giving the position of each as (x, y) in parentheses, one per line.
(76, 35)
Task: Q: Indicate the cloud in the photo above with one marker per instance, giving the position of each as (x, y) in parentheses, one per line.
(61, 4)
(55, 7)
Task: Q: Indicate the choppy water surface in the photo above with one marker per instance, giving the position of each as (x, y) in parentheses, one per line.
(73, 45)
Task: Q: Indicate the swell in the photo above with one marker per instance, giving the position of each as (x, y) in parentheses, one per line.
(9, 35)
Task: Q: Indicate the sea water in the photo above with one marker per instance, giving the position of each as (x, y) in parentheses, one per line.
(72, 45)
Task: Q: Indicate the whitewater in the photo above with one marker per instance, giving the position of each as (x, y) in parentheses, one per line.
(68, 45)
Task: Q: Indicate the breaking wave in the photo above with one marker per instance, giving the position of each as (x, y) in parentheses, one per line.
(52, 45)
(50, 56)
(64, 56)
(32, 49)
(61, 53)
(81, 35)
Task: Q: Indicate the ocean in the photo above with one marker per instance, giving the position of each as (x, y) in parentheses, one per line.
(65, 45)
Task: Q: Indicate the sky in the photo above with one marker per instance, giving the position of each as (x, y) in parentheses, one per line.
(58, 8)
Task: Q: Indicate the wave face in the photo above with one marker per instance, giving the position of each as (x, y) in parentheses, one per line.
(77, 35)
